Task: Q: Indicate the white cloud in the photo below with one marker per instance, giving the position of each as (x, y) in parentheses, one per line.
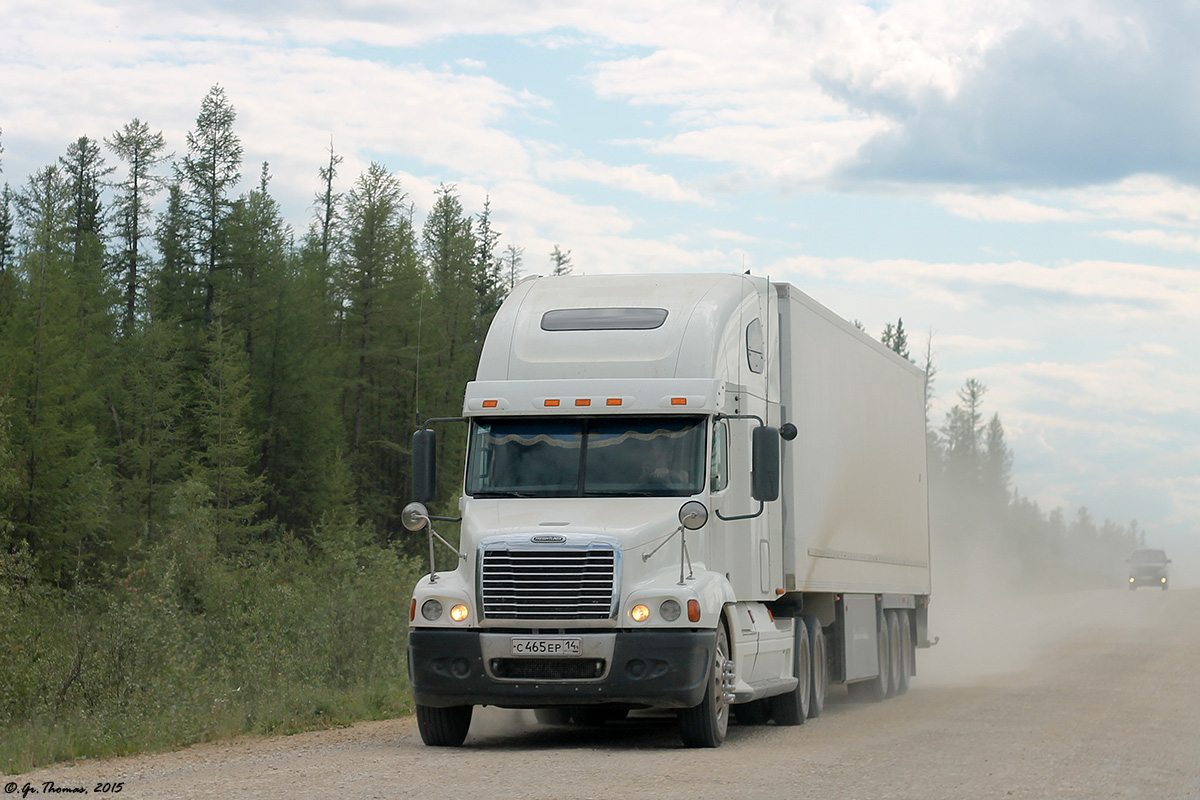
(967, 345)
(638, 178)
(1079, 288)
(1176, 242)
(1003, 208)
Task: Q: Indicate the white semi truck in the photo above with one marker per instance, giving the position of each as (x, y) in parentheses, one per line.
(704, 493)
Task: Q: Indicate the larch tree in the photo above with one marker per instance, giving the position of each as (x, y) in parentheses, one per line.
(142, 152)
(67, 487)
(382, 288)
(561, 261)
(210, 170)
(226, 462)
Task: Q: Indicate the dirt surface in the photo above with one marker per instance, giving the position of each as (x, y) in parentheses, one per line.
(1087, 695)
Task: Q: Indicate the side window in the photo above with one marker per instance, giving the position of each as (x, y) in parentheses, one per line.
(719, 470)
(755, 347)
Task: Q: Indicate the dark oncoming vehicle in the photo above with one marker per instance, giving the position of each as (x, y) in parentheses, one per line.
(1148, 567)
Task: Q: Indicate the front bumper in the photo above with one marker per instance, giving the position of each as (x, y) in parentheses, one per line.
(655, 668)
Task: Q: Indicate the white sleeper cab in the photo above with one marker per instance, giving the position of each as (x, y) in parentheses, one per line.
(702, 493)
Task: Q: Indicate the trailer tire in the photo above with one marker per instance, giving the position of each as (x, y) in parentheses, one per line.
(705, 724)
(792, 708)
(444, 727)
(894, 654)
(904, 665)
(875, 689)
(820, 662)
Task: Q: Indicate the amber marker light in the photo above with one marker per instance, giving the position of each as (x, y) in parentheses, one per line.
(679, 401)
(693, 610)
(639, 613)
(458, 613)
(613, 401)
(551, 404)
(491, 403)
(412, 610)
(583, 401)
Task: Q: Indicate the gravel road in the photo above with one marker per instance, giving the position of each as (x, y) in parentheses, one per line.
(1084, 695)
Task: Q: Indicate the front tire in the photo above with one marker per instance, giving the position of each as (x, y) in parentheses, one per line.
(444, 727)
(706, 724)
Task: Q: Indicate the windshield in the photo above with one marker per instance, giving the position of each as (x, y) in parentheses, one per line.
(1149, 557)
(589, 457)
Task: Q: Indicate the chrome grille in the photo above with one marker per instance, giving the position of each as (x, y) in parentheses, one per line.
(548, 583)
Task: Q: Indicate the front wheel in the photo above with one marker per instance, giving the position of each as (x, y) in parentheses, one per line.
(443, 727)
(706, 724)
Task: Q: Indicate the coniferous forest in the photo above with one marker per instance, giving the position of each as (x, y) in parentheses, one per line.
(204, 429)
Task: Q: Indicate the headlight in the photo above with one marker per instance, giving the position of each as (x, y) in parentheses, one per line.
(431, 610)
(458, 613)
(639, 613)
(669, 610)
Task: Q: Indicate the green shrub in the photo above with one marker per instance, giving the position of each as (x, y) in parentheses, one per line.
(192, 644)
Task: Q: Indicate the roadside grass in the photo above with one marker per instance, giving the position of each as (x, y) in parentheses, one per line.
(194, 642)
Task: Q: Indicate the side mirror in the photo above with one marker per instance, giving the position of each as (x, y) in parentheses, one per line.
(424, 466)
(764, 481)
(693, 515)
(414, 517)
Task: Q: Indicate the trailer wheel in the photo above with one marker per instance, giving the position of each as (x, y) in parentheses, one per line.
(706, 724)
(876, 689)
(792, 708)
(904, 664)
(894, 654)
(443, 727)
(820, 671)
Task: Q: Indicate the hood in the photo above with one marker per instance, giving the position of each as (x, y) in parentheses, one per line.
(628, 519)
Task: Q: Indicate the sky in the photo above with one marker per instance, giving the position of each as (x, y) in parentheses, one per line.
(1018, 181)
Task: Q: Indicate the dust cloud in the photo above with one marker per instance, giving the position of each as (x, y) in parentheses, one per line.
(994, 623)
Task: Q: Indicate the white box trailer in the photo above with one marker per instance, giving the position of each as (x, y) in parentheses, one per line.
(694, 492)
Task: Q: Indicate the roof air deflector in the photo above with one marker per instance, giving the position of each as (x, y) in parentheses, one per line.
(603, 319)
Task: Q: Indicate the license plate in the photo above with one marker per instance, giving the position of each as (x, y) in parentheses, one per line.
(546, 646)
